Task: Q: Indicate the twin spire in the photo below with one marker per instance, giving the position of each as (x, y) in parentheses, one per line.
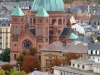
(17, 12)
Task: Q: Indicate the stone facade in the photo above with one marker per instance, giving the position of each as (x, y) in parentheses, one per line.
(37, 32)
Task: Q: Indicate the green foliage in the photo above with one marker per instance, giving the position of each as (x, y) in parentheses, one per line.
(6, 55)
(21, 57)
(32, 51)
(98, 38)
(15, 72)
(2, 72)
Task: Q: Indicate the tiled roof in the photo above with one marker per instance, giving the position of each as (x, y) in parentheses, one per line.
(67, 5)
(55, 46)
(85, 39)
(65, 31)
(95, 18)
(69, 47)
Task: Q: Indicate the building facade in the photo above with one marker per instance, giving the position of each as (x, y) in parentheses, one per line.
(4, 34)
(60, 49)
(45, 23)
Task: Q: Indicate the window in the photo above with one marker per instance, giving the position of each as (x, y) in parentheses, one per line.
(59, 21)
(34, 20)
(40, 31)
(16, 30)
(91, 52)
(22, 19)
(14, 56)
(78, 66)
(27, 44)
(53, 21)
(83, 66)
(73, 65)
(95, 52)
(15, 20)
(40, 20)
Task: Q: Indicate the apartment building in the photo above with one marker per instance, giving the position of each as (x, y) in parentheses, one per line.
(4, 34)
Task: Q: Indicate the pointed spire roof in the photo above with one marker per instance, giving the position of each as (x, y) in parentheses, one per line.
(73, 36)
(42, 13)
(17, 12)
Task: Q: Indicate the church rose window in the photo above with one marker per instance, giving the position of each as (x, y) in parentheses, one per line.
(27, 44)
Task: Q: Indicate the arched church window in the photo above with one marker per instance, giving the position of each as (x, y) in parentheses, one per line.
(27, 44)
(39, 31)
(14, 56)
(15, 30)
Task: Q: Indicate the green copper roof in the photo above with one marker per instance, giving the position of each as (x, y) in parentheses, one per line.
(73, 36)
(42, 13)
(49, 5)
(17, 12)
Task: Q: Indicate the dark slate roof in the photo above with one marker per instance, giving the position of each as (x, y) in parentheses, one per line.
(95, 18)
(94, 47)
(32, 31)
(25, 3)
(85, 39)
(9, 7)
(65, 31)
(14, 4)
(4, 22)
(83, 8)
(73, 11)
(66, 10)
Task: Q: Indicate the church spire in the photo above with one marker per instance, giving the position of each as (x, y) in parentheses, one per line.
(17, 12)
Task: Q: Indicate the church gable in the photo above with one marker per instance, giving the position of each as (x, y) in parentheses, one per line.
(27, 35)
(27, 38)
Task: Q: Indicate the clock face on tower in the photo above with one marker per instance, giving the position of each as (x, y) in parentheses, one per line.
(27, 44)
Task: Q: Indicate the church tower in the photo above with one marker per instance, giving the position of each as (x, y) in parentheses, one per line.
(17, 27)
(42, 28)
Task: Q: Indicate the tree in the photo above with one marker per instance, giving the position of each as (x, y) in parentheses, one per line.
(15, 72)
(70, 56)
(21, 57)
(2, 72)
(55, 62)
(98, 38)
(6, 55)
(7, 67)
(32, 51)
(30, 63)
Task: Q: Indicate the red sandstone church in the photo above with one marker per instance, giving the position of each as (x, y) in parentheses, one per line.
(46, 23)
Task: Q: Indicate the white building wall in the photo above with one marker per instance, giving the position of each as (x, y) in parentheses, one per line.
(57, 72)
(88, 67)
(95, 69)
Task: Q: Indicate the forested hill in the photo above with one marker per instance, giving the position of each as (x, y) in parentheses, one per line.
(66, 1)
